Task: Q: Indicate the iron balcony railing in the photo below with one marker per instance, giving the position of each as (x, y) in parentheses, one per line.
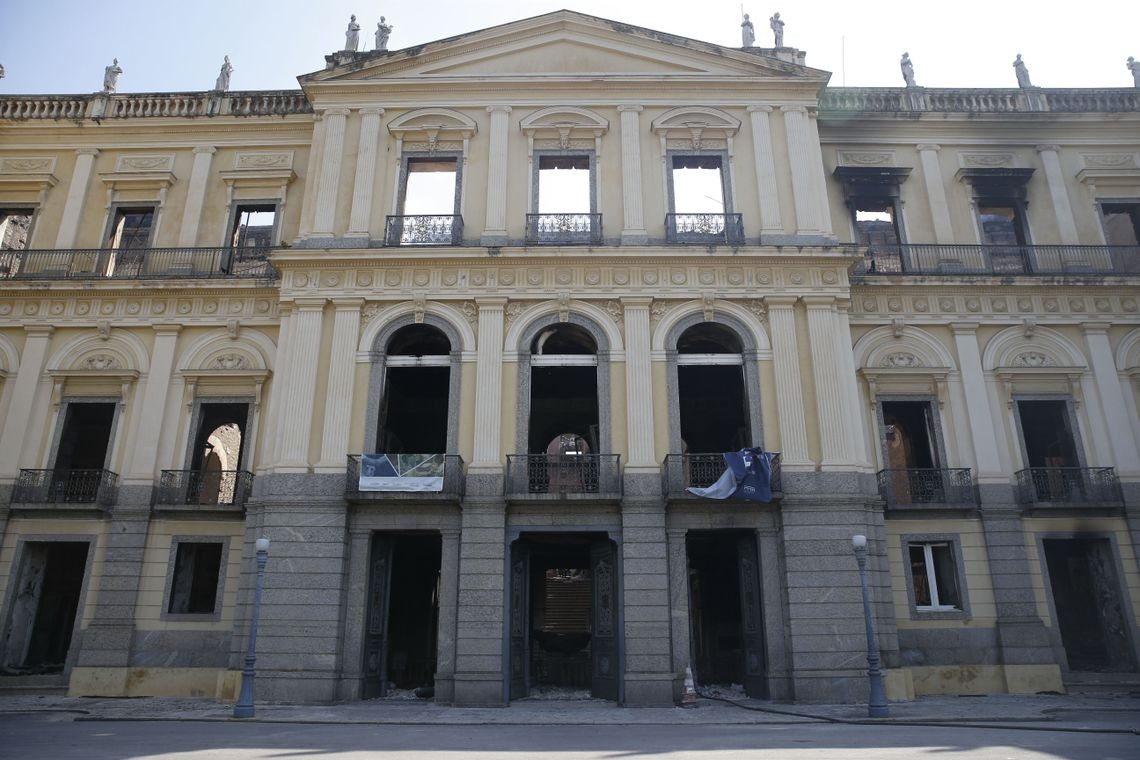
(928, 487)
(136, 264)
(564, 229)
(1069, 486)
(206, 488)
(452, 482)
(684, 471)
(705, 229)
(65, 487)
(597, 475)
(1000, 260)
(433, 229)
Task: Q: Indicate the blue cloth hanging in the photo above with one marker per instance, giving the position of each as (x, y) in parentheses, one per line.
(747, 475)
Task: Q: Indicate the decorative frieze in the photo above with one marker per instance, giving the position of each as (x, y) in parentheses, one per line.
(985, 159)
(163, 162)
(999, 308)
(866, 158)
(27, 165)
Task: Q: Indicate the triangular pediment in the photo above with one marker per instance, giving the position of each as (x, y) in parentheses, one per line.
(562, 44)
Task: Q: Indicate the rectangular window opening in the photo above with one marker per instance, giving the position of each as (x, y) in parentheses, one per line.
(131, 228)
(430, 187)
(698, 185)
(1121, 223)
(15, 228)
(1002, 223)
(564, 185)
(254, 225)
(934, 577)
(194, 587)
(875, 223)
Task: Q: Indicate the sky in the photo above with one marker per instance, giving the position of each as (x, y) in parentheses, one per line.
(62, 46)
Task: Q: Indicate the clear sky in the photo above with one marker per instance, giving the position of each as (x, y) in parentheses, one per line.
(61, 46)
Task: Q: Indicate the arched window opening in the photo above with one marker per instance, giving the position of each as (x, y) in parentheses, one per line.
(710, 381)
(414, 409)
(218, 454)
(563, 391)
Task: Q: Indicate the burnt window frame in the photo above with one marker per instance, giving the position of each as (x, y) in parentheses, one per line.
(247, 444)
(61, 420)
(1000, 187)
(12, 209)
(954, 542)
(120, 208)
(939, 437)
(1133, 203)
(1074, 424)
(171, 567)
(879, 185)
(234, 217)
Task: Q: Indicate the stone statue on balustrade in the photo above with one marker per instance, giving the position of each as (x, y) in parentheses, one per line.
(777, 29)
(1022, 72)
(223, 83)
(383, 31)
(747, 32)
(907, 70)
(111, 77)
(352, 35)
(1133, 66)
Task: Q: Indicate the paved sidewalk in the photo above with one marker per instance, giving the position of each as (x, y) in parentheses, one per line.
(1079, 712)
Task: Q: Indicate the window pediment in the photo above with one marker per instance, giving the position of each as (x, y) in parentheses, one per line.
(564, 122)
(432, 123)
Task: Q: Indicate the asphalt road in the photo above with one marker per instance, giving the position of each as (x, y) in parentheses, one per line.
(58, 737)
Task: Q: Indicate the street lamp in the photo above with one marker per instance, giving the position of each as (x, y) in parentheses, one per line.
(244, 706)
(877, 705)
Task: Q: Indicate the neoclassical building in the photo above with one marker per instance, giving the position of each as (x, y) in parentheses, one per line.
(539, 277)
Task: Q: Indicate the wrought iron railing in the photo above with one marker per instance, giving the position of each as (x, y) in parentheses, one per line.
(1000, 260)
(684, 471)
(564, 229)
(221, 488)
(452, 481)
(1067, 486)
(705, 229)
(927, 487)
(136, 264)
(430, 229)
(65, 487)
(563, 474)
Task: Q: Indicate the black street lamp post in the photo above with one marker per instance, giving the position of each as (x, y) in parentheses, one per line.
(244, 706)
(877, 704)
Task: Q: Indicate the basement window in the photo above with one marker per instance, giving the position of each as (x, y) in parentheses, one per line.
(197, 571)
(933, 575)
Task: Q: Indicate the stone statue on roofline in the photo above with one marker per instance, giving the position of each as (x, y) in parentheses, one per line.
(907, 70)
(352, 35)
(1133, 66)
(1022, 72)
(777, 29)
(223, 83)
(383, 31)
(111, 77)
(747, 32)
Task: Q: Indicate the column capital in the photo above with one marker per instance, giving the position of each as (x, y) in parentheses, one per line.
(335, 112)
(167, 329)
(636, 302)
(347, 304)
(793, 109)
(87, 151)
(1045, 148)
(500, 108)
(372, 111)
(309, 304)
(819, 302)
(1095, 328)
(780, 302)
(964, 327)
(205, 149)
(490, 303)
(628, 107)
(42, 330)
(928, 146)
(760, 109)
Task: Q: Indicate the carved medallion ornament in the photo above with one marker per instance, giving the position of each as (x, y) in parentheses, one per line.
(987, 160)
(901, 359)
(229, 362)
(369, 312)
(866, 158)
(513, 310)
(470, 312)
(1033, 359)
(263, 161)
(659, 309)
(144, 163)
(27, 165)
(100, 362)
(1110, 160)
(758, 309)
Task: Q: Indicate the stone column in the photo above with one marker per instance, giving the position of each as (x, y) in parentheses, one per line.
(639, 384)
(13, 444)
(834, 416)
(936, 193)
(338, 396)
(76, 195)
(142, 458)
(767, 188)
(802, 157)
(1062, 209)
(295, 419)
(678, 558)
(649, 673)
(195, 196)
(495, 230)
(488, 386)
(448, 620)
(789, 394)
(989, 474)
(633, 216)
(325, 215)
(360, 218)
(480, 603)
(1127, 460)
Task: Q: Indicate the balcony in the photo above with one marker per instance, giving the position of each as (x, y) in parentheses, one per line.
(927, 489)
(432, 229)
(564, 229)
(582, 477)
(683, 471)
(199, 490)
(1000, 260)
(66, 487)
(137, 264)
(1063, 487)
(449, 467)
(704, 229)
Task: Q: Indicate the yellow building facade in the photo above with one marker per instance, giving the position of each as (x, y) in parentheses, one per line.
(455, 328)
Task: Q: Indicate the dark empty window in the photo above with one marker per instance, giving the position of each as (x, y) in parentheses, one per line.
(15, 225)
(1047, 430)
(253, 226)
(194, 587)
(414, 411)
(1001, 223)
(1121, 223)
(131, 228)
(876, 223)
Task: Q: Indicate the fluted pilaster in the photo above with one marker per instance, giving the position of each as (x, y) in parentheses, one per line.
(639, 383)
(360, 218)
(296, 416)
(768, 190)
(331, 159)
(834, 417)
(488, 385)
(789, 388)
(338, 396)
(801, 155)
